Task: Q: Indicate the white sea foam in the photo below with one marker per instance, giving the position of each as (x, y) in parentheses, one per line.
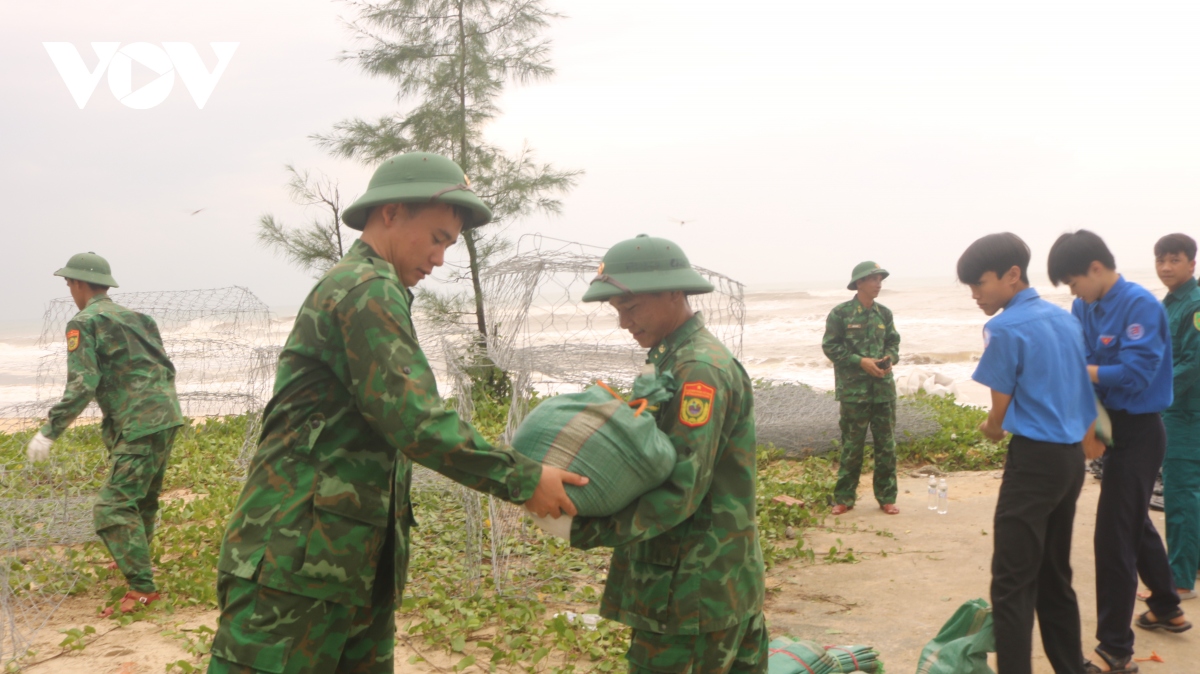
(940, 332)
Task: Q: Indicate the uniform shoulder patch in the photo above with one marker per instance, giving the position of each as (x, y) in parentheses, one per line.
(695, 409)
(72, 340)
(1196, 320)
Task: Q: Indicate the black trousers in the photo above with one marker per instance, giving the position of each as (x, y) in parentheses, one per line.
(1127, 544)
(1031, 561)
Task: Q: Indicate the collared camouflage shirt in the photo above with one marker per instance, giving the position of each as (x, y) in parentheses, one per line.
(1183, 317)
(116, 356)
(686, 556)
(852, 333)
(355, 403)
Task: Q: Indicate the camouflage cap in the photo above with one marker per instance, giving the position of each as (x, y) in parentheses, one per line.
(88, 267)
(863, 270)
(418, 177)
(645, 264)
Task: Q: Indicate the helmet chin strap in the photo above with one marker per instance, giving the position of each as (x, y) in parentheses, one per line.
(605, 278)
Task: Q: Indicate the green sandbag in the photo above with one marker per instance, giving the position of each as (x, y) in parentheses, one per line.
(1103, 424)
(855, 659)
(789, 656)
(600, 436)
(962, 645)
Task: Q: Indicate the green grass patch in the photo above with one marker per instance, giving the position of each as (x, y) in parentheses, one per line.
(447, 606)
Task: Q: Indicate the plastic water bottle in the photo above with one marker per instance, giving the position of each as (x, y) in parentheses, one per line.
(933, 493)
(943, 497)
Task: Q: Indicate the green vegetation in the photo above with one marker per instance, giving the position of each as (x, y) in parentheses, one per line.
(522, 629)
(958, 445)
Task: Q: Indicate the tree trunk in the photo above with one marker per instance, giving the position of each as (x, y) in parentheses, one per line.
(476, 286)
(468, 236)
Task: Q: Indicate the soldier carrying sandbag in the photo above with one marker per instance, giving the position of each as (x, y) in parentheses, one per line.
(687, 570)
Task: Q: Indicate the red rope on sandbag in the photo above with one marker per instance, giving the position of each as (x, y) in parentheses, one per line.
(795, 657)
(850, 653)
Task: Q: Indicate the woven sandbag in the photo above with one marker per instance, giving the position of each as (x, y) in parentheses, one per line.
(600, 436)
(789, 656)
(855, 659)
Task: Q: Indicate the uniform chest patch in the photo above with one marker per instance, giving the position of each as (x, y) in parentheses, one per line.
(72, 340)
(854, 326)
(1106, 339)
(695, 409)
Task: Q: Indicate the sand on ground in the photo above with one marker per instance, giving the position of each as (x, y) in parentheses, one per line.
(914, 570)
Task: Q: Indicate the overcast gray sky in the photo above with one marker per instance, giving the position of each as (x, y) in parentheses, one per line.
(799, 137)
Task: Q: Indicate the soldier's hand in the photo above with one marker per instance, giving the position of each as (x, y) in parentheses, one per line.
(39, 448)
(869, 366)
(550, 499)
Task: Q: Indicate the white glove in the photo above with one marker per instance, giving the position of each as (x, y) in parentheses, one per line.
(39, 448)
(560, 527)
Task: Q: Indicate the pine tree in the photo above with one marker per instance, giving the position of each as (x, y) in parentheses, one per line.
(319, 245)
(450, 60)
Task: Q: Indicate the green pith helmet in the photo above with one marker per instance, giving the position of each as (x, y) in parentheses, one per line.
(88, 267)
(645, 264)
(863, 270)
(418, 177)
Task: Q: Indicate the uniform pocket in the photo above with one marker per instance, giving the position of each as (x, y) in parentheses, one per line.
(250, 631)
(349, 526)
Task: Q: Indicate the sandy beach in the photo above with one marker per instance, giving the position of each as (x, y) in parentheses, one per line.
(913, 571)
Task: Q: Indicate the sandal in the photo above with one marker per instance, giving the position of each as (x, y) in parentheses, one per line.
(889, 508)
(131, 601)
(1163, 622)
(840, 509)
(1116, 665)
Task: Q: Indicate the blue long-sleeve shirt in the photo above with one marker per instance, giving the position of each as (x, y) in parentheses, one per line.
(1125, 333)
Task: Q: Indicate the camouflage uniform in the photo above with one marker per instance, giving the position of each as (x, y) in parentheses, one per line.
(316, 550)
(852, 333)
(687, 571)
(116, 356)
(1181, 468)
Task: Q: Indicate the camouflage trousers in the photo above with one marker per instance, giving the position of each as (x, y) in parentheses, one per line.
(856, 419)
(266, 630)
(128, 505)
(741, 649)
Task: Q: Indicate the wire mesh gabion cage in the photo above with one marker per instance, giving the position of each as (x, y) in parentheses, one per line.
(218, 340)
(548, 341)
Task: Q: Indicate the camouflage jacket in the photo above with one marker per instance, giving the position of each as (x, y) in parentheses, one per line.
(355, 403)
(116, 356)
(853, 333)
(686, 557)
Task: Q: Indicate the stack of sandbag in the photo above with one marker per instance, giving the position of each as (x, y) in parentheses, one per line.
(793, 656)
(613, 442)
(856, 659)
(790, 656)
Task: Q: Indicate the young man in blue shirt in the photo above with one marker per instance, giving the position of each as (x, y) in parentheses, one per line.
(1033, 362)
(1175, 262)
(1129, 363)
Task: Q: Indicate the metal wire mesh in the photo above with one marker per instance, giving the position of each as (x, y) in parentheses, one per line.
(548, 341)
(220, 342)
(802, 421)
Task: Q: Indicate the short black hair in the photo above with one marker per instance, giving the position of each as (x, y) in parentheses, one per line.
(96, 287)
(1176, 243)
(1074, 253)
(995, 253)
